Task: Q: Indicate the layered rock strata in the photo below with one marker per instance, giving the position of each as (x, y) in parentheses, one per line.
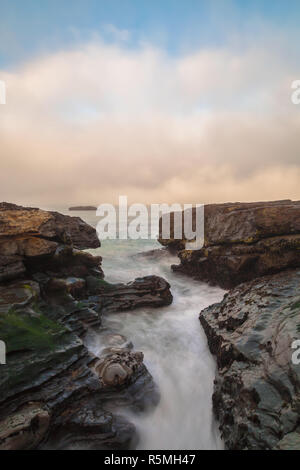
(242, 241)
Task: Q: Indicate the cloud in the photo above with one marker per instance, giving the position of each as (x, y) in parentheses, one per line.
(87, 124)
(116, 33)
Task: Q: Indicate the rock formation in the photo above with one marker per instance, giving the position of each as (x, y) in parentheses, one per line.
(32, 239)
(241, 242)
(54, 392)
(255, 250)
(257, 390)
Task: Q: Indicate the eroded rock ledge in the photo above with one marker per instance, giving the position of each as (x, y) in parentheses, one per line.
(53, 392)
(32, 239)
(242, 241)
(257, 390)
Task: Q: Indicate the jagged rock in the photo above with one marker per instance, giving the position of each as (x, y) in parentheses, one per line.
(149, 291)
(241, 242)
(25, 428)
(257, 391)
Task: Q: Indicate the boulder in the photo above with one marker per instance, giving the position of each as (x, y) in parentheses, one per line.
(118, 367)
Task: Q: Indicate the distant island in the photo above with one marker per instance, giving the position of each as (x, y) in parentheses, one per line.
(83, 208)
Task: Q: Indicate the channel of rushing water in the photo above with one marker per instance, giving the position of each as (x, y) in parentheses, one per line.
(174, 347)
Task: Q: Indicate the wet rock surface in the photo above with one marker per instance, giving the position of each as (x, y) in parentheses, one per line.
(25, 428)
(48, 363)
(149, 291)
(54, 393)
(257, 390)
(242, 241)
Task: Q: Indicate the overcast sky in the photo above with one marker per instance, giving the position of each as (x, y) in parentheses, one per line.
(162, 101)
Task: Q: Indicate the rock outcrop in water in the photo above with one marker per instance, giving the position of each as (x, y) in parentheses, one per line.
(241, 242)
(257, 390)
(83, 208)
(54, 392)
(149, 291)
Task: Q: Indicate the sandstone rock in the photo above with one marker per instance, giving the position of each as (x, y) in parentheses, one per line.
(34, 240)
(257, 390)
(241, 242)
(82, 235)
(118, 367)
(18, 221)
(25, 428)
(27, 246)
(125, 380)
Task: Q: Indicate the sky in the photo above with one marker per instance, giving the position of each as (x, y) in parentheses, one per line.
(163, 101)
